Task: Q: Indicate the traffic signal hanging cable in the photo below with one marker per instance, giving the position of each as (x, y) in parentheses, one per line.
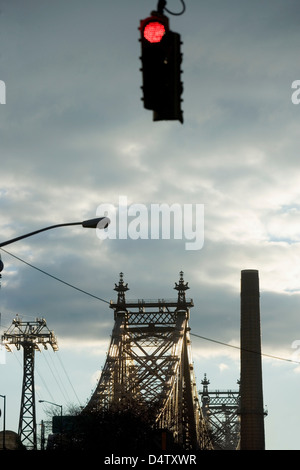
(161, 6)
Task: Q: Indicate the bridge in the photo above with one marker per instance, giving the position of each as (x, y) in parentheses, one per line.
(149, 368)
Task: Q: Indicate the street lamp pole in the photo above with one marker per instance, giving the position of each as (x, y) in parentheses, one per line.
(4, 416)
(100, 222)
(61, 414)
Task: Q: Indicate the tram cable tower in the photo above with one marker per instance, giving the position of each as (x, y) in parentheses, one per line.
(149, 369)
(30, 336)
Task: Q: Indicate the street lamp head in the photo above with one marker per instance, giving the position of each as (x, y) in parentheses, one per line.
(100, 222)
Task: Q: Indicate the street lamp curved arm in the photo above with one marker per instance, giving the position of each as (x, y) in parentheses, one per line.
(100, 222)
(51, 403)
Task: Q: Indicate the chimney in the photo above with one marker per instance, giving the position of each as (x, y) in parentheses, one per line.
(252, 408)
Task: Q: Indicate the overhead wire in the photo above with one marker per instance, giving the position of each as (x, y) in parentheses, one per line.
(54, 277)
(45, 384)
(57, 376)
(56, 379)
(246, 350)
(106, 301)
(68, 378)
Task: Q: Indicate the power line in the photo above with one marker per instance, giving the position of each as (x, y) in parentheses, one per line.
(247, 350)
(57, 379)
(106, 301)
(54, 277)
(67, 376)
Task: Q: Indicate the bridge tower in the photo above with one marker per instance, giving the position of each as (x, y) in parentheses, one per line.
(149, 369)
(221, 409)
(28, 335)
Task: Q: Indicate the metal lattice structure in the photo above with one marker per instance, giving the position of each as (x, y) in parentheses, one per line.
(221, 410)
(149, 368)
(30, 336)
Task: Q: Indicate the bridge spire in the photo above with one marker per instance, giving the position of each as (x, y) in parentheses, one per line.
(121, 288)
(181, 287)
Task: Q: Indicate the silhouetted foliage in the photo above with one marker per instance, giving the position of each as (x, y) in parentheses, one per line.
(108, 433)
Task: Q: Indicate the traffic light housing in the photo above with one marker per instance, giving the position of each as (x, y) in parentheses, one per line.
(161, 61)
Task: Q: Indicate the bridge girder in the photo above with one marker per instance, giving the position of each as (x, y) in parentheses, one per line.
(149, 368)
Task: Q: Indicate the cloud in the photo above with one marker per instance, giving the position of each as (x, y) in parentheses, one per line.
(74, 135)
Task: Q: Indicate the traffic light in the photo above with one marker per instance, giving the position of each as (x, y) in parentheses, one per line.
(161, 60)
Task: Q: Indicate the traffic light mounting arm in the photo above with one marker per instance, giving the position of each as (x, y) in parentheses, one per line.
(161, 6)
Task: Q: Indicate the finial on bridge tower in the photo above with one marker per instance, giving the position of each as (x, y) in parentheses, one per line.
(181, 287)
(205, 396)
(121, 288)
(205, 382)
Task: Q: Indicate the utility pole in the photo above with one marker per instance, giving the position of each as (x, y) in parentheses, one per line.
(28, 335)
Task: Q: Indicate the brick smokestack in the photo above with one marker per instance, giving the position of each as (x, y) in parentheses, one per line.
(252, 408)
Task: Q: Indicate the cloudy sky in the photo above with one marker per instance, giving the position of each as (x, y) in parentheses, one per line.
(74, 136)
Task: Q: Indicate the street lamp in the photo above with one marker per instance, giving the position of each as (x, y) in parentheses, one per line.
(61, 414)
(100, 222)
(51, 403)
(4, 413)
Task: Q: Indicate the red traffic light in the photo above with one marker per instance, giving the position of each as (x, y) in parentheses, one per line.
(154, 31)
(161, 58)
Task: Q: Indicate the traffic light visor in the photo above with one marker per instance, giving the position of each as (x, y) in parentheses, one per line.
(154, 31)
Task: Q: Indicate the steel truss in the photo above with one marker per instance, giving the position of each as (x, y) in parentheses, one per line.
(221, 410)
(29, 335)
(149, 368)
